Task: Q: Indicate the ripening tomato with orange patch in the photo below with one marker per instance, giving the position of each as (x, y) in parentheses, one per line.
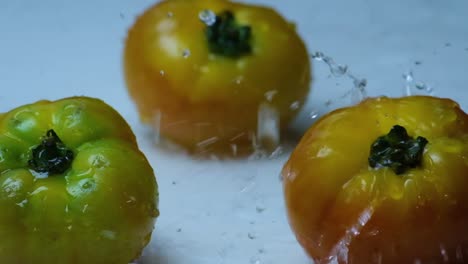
(200, 70)
(382, 182)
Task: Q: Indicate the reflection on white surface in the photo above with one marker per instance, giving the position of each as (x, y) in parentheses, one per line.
(209, 209)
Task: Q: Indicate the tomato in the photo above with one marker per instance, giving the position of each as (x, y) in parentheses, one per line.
(74, 187)
(200, 70)
(382, 182)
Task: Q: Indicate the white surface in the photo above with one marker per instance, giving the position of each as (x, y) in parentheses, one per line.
(229, 212)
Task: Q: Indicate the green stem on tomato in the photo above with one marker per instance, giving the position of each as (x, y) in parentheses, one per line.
(397, 150)
(51, 156)
(225, 37)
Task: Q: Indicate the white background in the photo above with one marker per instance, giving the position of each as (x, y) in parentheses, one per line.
(231, 211)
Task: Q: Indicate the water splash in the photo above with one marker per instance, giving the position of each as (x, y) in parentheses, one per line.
(415, 87)
(157, 127)
(339, 70)
(443, 253)
(234, 150)
(270, 94)
(295, 105)
(408, 77)
(342, 246)
(314, 114)
(22, 203)
(207, 142)
(357, 93)
(336, 69)
(318, 56)
(276, 153)
(268, 126)
(207, 16)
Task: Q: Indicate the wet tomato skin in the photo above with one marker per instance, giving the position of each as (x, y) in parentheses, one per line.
(341, 208)
(74, 186)
(195, 94)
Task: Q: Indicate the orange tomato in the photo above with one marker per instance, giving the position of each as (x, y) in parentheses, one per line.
(343, 207)
(193, 91)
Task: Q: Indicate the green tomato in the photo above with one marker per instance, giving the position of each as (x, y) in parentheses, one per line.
(74, 187)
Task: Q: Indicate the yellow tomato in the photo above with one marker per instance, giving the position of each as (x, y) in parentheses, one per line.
(199, 70)
(359, 195)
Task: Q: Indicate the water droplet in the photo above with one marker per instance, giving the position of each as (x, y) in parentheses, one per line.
(22, 203)
(260, 209)
(417, 63)
(99, 161)
(131, 200)
(69, 227)
(238, 79)
(261, 250)
(179, 230)
(234, 149)
(186, 53)
(270, 94)
(429, 90)
(111, 235)
(174, 183)
(87, 184)
(162, 73)
(251, 236)
(207, 142)
(39, 190)
(408, 76)
(448, 44)
(328, 102)
(170, 14)
(157, 127)
(257, 154)
(85, 208)
(420, 86)
(39, 175)
(122, 16)
(268, 126)
(314, 114)
(443, 253)
(207, 16)
(276, 153)
(295, 105)
(318, 56)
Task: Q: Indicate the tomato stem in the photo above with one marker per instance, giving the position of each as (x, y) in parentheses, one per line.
(51, 156)
(225, 37)
(397, 150)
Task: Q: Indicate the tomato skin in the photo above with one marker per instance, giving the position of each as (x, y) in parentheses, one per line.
(197, 95)
(340, 208)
